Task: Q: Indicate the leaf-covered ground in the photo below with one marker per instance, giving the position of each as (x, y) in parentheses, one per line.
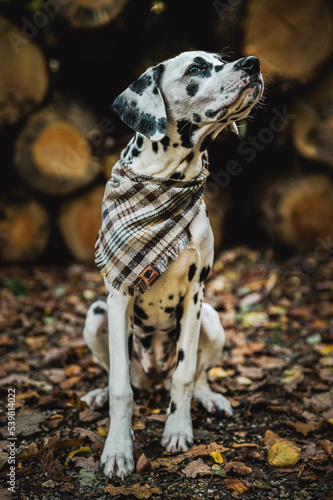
(277, 371)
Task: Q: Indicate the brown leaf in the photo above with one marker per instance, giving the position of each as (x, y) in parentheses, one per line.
(169, 463)
(136, 490)
(270, 438)
(29, 452)
(143, 464)
(269, 362)
(235, 485)
(238, 468)
(51, 466)
(306, 427)
(86, 463)
(204, 450)
(197, 468)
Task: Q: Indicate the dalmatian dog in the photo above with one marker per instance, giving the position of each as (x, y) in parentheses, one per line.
(168, 336)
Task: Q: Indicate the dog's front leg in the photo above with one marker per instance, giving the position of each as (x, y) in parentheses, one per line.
(178, 432)
(117, 456)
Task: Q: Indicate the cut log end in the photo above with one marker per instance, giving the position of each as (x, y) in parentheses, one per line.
(53, 154)
(312, 130)
(24, 77)
(79, 222)
(299, 211)
(91, 13)
(24, 229)
(285, 37)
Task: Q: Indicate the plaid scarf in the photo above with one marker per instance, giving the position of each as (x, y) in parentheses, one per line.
(145, 225)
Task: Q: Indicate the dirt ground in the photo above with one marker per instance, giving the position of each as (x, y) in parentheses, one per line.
(276, 369)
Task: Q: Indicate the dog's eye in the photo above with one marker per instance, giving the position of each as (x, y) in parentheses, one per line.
(193, 69)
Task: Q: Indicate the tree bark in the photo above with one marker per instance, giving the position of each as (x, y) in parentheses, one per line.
(53, 154)
(23, 78)
(24, 228)
(292, 39)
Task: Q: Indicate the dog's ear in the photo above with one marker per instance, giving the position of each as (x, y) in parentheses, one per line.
(141, 105)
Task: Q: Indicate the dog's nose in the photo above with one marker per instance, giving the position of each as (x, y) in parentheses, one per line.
(250, 64)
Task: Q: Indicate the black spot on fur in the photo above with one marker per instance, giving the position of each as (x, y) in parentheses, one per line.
(204, 273)
(155, 147)
(206, 212)
(140, 312)
(196, 118)
(130, 345)
(99, 310)
(166, 142)
(176, 175)
(192, 89)
(189, 157)
(135, 152)
(137, 321)
(173, 333)
(218, 68)
(170, 297)
(181, 356)
(146, 341)
(169, 310)
(198, 314)
(195, 298)
(148, 329)
(140, 85)
(185, 129)
(139, 141)
(155, 90)
(173, 407)
(222, 89)
(175, 144)
(191, 271)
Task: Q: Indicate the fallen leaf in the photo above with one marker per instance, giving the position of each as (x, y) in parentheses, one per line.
(197, 468)
(236, 486)
(238, 468)
(217, 470)
(83, 449)
(169, 463)
(216, 455)
(245, 445)
(283, 453)
(143, 464)
(89, 463)
(306, 427)
(87, 478)
(29, 452)
(269, 362)
(254, 318)
(270, 438)
(204, 450)
(136, 490)
(292, 377)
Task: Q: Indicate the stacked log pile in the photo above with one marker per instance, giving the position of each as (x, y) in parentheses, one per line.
(62, 66)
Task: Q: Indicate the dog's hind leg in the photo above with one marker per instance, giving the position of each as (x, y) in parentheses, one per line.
(95, 333)
(211, 343)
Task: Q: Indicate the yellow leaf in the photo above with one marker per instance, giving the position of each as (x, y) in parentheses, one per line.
(295, 374)
(156, 411)
(330, 420)
(217, 372)
(84, 449)
(102, 430)
(218, 459)
(283, 453)
(244, 380)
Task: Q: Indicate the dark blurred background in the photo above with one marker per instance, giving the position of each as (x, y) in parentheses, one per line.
(64, 61)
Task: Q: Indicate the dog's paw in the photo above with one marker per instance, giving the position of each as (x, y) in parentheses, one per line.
(116, 459)
(213, 401)
(177, 437)
(97, 398)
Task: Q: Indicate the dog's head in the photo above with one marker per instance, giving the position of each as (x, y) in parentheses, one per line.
(195, 87)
